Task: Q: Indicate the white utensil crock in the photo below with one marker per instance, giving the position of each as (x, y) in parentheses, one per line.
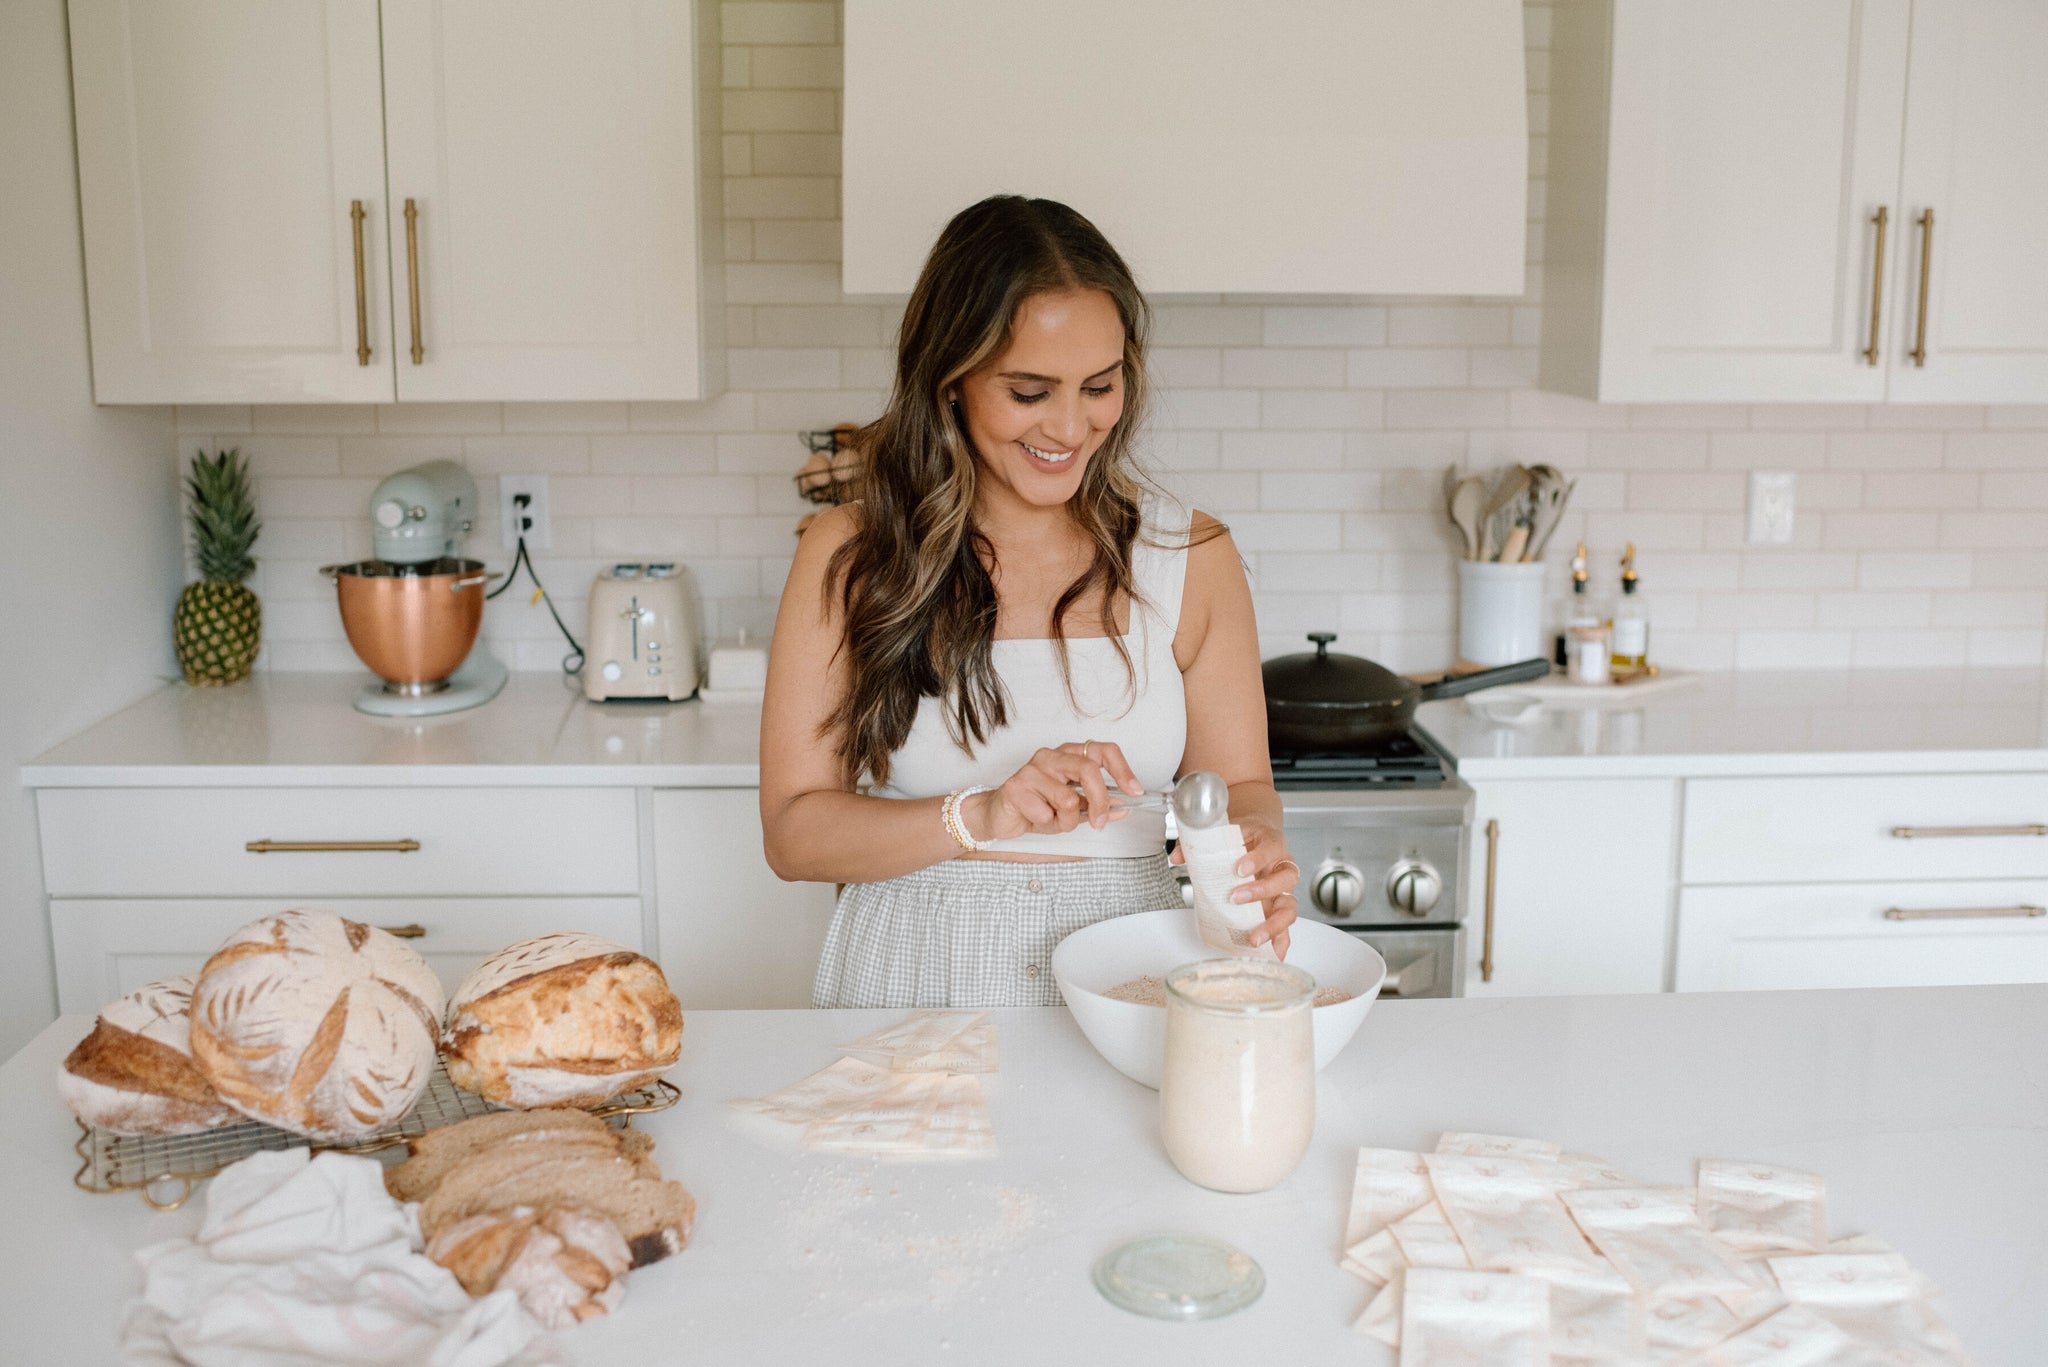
(1500, 612)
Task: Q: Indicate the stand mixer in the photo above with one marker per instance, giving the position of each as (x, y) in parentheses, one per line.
(412, 614)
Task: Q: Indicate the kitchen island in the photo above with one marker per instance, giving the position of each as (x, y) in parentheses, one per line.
(1925, 1109)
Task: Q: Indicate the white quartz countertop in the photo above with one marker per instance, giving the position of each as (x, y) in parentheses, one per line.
(1763, 722)
(299, 730)
(1926, 1110)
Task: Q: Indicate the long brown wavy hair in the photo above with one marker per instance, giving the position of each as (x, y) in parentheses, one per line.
(917, 598)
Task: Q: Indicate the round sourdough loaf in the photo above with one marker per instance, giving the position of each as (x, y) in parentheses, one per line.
(134, 1073)
(562, 1020)
(316, 1024)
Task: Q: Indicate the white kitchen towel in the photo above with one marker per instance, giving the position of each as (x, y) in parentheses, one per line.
(304, 1260)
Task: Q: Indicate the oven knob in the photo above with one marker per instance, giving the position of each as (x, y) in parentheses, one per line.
(1338, 889)
(1414, 887)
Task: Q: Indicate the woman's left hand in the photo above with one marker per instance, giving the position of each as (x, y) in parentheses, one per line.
(1274, 876)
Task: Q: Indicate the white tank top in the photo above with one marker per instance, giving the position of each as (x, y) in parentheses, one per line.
(1144, 712)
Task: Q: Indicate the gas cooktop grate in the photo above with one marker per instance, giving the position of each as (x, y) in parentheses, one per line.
(1398, 763)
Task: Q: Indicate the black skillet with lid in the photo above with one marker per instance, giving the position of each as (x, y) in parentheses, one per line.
(1327, 703)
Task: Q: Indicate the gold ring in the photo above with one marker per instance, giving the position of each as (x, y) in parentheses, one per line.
(1285, 864)
(1087, 750)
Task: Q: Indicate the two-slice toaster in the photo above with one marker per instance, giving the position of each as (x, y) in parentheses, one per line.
(643, 638)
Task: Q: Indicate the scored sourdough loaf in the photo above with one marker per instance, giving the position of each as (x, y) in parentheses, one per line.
(316, 1024)
(562, 1020)
(134, 1073)
(488, 1164)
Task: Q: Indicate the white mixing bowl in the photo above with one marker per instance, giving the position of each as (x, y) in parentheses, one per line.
(1133, 1037)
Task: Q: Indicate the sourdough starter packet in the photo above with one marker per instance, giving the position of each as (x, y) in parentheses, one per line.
(1450, 1318)
(1596, 1319)
(1655, 1239)
(1426, 1239)
(1793, 1337)
(1495, 1145)
(1507, 1213)
(1387, 1184)
(1759, 1208)
(1874, 1298)
(931, 1042)
(1225, 926)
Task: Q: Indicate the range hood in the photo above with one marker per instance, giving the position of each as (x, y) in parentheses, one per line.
(1285, 147)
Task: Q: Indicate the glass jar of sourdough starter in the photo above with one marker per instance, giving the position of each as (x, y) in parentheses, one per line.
(1237, 1094)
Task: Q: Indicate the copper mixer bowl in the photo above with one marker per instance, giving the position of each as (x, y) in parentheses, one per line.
(413, 625)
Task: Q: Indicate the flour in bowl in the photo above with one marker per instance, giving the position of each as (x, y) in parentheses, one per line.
(1151, 991)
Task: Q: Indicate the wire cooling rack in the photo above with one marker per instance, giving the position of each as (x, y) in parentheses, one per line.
(165, 1167)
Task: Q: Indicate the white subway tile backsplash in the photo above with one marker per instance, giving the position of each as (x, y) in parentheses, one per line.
(1885, 450)
(652, 453)
(1283, 450)
(1335, 325)
(1283, 368)
(1318, 429)
(1333, 409)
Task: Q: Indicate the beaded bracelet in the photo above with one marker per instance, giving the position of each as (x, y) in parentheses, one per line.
(956, 825)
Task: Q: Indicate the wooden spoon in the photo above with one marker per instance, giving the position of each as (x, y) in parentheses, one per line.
(1468, 505)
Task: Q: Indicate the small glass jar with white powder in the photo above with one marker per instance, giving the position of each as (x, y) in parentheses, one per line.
(1237, 1095)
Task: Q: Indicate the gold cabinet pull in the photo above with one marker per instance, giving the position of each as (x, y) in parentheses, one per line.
(1486, 933)
(412, 275)
(410, 932)
(1880, 218)
(1958, 832)
(1919, 352)
(355, 223)
(330, 846)
(1963, 913)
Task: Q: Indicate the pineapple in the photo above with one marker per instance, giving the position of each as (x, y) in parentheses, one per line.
(219, 623)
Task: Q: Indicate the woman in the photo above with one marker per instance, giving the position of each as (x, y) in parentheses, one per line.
(1002, 618)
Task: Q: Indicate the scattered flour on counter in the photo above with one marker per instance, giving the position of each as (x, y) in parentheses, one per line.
(880, 1241)
(1151, 991)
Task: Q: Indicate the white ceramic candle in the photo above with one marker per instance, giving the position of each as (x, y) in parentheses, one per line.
(1237, 1096)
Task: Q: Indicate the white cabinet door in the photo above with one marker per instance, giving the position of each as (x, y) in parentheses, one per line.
(221, 146)
(1724, 247)
(1841, 935)
(550, 152)
(1310, 147)
(732, 934)
(1582, 873)
(106, 947)
(1976, 157)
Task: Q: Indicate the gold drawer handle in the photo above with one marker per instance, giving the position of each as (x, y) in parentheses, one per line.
(355, 221)
(1955, 832)
(1486, 937)
(1880, 218)
(330, 846)
(1919, 351)
(411, 932)
(1963, 913)
(412, 275)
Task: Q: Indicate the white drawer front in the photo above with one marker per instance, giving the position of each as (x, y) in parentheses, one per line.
(105, 948)
(167, 842)
(1785, 830)
(1819, 935)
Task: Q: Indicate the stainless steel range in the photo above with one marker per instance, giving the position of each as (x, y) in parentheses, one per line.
(1381, 837)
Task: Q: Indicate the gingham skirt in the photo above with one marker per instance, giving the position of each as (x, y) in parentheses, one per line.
(975, 932)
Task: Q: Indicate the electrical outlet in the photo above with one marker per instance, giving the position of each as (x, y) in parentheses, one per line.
(1770, 506)
(539, 529)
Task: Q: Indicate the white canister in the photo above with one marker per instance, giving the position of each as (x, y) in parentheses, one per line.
(1500, 612)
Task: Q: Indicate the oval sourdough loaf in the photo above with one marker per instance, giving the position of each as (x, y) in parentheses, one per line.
(316, 1024)
(134, 1073)
(562, 1020)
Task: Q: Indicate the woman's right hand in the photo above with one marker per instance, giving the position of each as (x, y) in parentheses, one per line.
(1042, 798)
